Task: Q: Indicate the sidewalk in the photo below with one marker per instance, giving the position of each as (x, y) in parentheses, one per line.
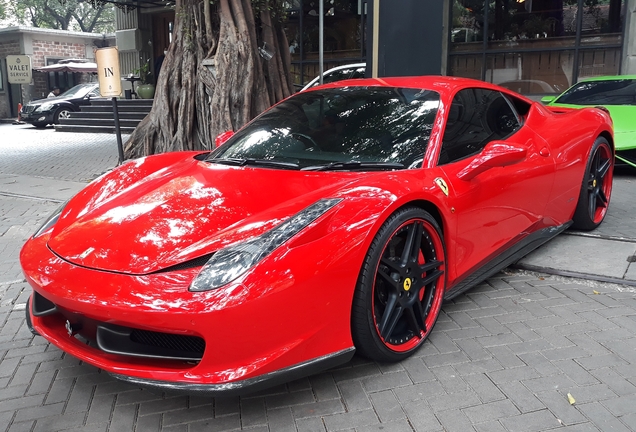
(606, 254)
(503, 357)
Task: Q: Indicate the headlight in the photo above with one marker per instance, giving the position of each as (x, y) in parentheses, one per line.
(50, 221)
(44, 107)
(231, 262)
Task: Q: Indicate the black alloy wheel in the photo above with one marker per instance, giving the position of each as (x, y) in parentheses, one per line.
(400, 288)
(596, 189)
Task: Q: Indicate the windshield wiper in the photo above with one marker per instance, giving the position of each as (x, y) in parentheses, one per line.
(254, 162)
(356, 165)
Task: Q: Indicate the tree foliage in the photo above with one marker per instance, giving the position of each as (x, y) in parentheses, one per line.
(76, 15)
(194, 101)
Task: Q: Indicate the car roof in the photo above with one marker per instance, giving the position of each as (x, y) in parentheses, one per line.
(441, 84)
(608, 78)
(333, 69)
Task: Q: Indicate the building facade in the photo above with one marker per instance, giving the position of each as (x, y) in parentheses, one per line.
(45, 47)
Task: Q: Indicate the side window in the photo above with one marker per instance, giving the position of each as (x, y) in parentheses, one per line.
(337, 75)
(359, 73)
(476, 117)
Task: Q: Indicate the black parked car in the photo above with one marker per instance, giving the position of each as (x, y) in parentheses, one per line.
(42, 112)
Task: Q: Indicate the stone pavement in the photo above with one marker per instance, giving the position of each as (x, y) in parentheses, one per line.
(502, 357)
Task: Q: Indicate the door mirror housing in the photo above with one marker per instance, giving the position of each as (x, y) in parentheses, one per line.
(495, 154)
(222, 138)
(547, 99)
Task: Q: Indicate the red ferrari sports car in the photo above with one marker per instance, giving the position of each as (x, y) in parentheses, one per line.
(336, 222)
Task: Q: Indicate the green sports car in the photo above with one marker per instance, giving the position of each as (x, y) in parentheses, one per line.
(618, 95)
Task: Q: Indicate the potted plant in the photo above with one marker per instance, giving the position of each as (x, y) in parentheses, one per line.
(146, 90)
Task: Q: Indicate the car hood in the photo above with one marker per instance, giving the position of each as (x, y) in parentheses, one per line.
(157, 212)
(47, 101)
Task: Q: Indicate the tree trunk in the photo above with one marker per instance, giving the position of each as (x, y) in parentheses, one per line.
(192, 104)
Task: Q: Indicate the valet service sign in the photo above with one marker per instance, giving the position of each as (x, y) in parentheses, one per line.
(19, 68)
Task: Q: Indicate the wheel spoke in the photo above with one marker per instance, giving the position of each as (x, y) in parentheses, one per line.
(592, 204)
(393, 265)
(391, 322)
(432, 277)
(388, 279)
(414, 325)
(602, 197)
(419, 315)
(389, 309)
(412, 244)
(603, 169)
(431, 265)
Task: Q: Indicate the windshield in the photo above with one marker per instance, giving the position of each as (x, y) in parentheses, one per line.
(78, 90)
(614, 92)
(387, 127)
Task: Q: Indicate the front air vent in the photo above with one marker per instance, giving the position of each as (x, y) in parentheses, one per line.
(193, 263)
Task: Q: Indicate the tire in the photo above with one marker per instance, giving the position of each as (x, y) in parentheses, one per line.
(596, 187)
(399, 295)
(61, 113)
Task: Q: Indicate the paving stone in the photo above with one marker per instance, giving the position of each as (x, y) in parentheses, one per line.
(33, 413)
(226, 423)
(614, 381)
(253, 412)
(621, 406)
(557, 402)
(416, 370)
(322, 408)
(189, 415)
(517, 393)
(312, 424)
(324, 387)
(421, 417)
(393, 426)
(575, 372)
(355, 398)
(353, 419)
(602, 418)
(534, 421)
(386, 406)
(484, 387)
(453, 401)
(513, 374)
(289, 399)
(454, 421)
(492, 410)
(386, 381)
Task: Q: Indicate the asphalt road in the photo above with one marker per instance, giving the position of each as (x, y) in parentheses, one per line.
(503, 357)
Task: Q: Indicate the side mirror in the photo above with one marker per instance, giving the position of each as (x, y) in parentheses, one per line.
(219, 140)
(547, 99)
(495, 154)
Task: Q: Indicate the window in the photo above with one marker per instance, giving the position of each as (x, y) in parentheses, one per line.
(535, 46)
(377, 125)
(476, 117)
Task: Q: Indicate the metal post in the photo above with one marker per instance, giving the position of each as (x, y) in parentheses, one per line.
(321, 34)
(120, 146)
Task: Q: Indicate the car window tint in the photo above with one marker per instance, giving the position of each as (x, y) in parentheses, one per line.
(476, 117)
(359, 73)
(614, 92)
(366, 124)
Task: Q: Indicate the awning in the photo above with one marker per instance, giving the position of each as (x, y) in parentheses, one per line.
(69, 67)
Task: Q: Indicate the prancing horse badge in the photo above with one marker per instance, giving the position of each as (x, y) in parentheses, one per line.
(442, 185)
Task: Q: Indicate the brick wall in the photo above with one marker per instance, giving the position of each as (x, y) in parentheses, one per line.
(6, 48)
(44, 49)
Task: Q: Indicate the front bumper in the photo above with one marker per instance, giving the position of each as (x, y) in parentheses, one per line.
(37, 117)
(252, 339)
